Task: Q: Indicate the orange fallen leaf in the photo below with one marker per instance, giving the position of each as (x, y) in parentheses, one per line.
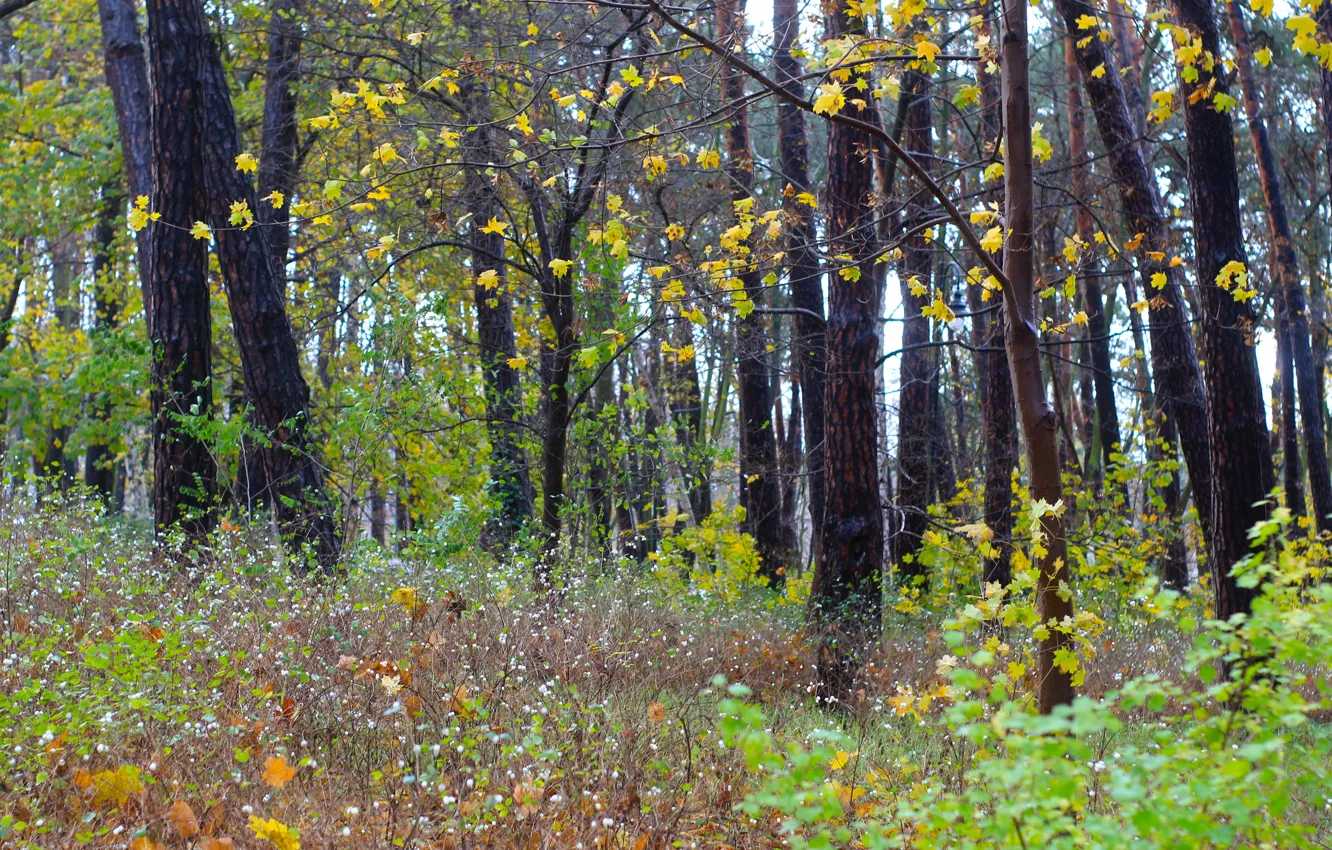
(183, 817)
(217, 844)
(277, 772)
(657, 713)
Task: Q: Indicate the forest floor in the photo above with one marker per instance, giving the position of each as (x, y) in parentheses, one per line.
(432, 701)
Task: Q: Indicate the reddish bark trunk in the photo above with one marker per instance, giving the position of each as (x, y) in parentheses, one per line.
(849, 606)
(1055, 687)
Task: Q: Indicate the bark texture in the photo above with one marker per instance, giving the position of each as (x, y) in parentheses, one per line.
(758, 445)
(184, 472)
(1296, 315)
(915, 403)
(1237, 424)
(848, 609)
(275, 386)
(1055, 687)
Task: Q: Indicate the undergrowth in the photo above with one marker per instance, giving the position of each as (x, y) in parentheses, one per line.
(430, 700)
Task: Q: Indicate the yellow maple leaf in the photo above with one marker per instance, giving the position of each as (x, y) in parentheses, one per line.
(488, 279)
(495, 226)
(830, 100)
(993, 240)
(246, 163)
(559, 267)
(275, 832)
(199, 230)
(277, 772)
(1098, 71)
(708, 159)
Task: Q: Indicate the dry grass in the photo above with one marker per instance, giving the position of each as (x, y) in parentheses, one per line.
(462, 714)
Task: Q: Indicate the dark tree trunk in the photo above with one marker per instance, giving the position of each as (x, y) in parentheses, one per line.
(1283, 400)
(1237, 424)
(847, 612)
(378, 514)
(687, 416)
(277, 157)
(1175, 370)
(509, 482)
(1098, 324)
(998, 417)
(126, 72)
(270, 360)
(1296, 315)
(808, 346)
(99, 468)
(917, 370)
(185, 474)
(1024, 357)
(758, 445)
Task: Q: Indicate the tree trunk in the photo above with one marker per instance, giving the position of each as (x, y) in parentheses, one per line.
(917, 371)
(1175, 370)
(180, 327)
(998, 418)
(1237, 425)
(1296, 315)
(1024, 356)
(847, 612)
(510, 485)
(1098, 324)
(687, 416)
(99, 467)
(277, 157)
(126, 72)
(808, 344)
(758, 446)
(270, 360)
(1283, 414)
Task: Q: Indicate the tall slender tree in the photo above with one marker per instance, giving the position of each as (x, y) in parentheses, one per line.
(275, 384)
(1089, 279)
(758, 446)
(808, 345)
(1176, 375)
(915, 406)
(1295, 314)
(848, 611)
(180, 324)
(1236, 414)
(1024, 357)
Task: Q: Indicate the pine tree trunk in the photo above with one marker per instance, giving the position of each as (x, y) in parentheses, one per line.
(1024, 356)
(277, 157)
(270, 360)
(1305, 377)
(126, 72)
(1175, 371)
(1241, 454)
(758, 446)
(847, 613)
(998, 418)
(1098, 324)
(808, 344)
(509, 482)
(180, 327)
(686, 408)
(99, 468)
(916, 372)
(1283, 414)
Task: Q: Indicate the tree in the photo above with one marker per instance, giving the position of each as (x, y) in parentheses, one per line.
(759, 472)
(1237, 425)
(847, 612)
(1294, 313)
(917, 371)
(1053, 598)
(808, 345)
(180, 321)
(275, 385)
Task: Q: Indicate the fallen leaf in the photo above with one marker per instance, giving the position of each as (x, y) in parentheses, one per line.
(277, 772)
(657, 713)
(183, 817)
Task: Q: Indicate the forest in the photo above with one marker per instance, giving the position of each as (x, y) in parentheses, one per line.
(635, 425)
